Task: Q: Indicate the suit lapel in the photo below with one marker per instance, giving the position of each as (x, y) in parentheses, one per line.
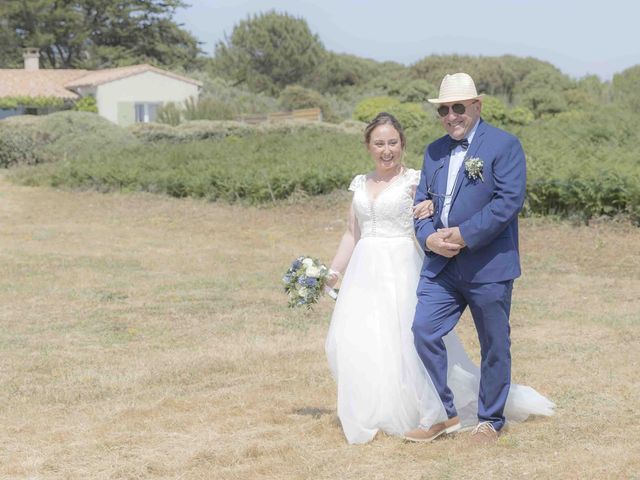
(472, 152)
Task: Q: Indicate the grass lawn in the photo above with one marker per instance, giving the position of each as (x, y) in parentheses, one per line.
(148, 337)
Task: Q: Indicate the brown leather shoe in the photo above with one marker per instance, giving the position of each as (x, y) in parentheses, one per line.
(484, 434)
(443, 428)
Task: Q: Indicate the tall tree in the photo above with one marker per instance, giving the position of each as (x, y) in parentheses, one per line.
(269, 51)
(625, 87)
(99, 33)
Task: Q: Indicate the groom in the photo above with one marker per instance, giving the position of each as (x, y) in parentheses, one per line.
(475, 176)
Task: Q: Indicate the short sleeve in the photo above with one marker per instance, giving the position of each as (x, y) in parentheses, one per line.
(357, 182)
(413, 177)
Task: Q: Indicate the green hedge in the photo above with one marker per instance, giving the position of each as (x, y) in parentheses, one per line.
(595, 173)
(29, 140)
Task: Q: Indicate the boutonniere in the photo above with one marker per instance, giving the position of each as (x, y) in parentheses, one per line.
(473, 168)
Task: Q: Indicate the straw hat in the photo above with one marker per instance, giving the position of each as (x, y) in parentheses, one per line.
(455, 88)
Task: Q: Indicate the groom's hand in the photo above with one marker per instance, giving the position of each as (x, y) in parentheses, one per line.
(438, 242)
(452, 235)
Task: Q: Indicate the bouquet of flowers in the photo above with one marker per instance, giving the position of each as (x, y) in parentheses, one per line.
(305, 281)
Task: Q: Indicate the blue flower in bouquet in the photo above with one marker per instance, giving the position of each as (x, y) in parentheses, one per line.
(305, 281)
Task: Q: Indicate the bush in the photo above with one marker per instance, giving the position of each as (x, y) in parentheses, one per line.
(30, 140)
(295, 97)
(208, 108)
(367, 109)
(169, 114)
(410, 115)
(19, 147)
(240, 99)
(520, 116)
(86, 104)
(494, 110)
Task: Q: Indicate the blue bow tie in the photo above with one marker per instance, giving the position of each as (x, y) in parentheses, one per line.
(464, 143)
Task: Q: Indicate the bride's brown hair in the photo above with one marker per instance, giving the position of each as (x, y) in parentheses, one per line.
(384, 118)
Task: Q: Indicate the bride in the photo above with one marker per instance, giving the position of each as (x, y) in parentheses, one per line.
(381, 382)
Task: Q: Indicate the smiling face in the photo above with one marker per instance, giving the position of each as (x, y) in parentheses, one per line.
(385, 147)
(459, 125)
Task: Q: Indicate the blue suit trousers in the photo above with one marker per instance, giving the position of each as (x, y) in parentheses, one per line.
(441, 302)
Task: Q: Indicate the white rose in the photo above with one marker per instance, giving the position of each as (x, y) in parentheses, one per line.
(307, 262)
(313, 272)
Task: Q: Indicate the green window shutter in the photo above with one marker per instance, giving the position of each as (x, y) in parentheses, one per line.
(126, 113)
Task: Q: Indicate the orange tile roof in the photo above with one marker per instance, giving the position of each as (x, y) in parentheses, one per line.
(61, 83)
(38, 83)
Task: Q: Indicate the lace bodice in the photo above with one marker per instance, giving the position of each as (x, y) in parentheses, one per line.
(389, 214)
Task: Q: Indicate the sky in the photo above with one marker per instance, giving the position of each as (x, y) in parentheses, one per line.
(579, 37)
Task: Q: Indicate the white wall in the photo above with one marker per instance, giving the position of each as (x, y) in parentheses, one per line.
(143, 87)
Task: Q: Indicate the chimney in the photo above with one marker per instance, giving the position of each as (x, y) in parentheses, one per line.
(31, 58)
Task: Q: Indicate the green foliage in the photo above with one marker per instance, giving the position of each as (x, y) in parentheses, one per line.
(625, 87)
(336, 72)
(31, 140)
(90, 34)
(507, 76)
(579, 135)
(238, 97)
(86, 104)
(216, 130)
(169, 113)
(410, 115)
(254, 168)
(269, 51)
(367, 109)
(520, 116)
(579, 163)
(34, 102)
(208, 108)
(494, 111)
(583, 163)
(296, 97)
(18, 147)
(405, 89)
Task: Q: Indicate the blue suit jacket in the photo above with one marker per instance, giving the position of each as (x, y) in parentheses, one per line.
(486, 211)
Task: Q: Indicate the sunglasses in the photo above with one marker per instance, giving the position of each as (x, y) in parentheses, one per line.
(458, 108)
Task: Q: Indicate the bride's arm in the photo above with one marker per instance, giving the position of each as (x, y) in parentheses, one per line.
(423, 209)
(345, 249)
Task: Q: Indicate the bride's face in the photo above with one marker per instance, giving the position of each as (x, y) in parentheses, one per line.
(385, 147)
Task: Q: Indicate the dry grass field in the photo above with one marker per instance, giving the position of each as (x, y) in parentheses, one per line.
(148, 337)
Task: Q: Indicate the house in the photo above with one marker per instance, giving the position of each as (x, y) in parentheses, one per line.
(124, 95)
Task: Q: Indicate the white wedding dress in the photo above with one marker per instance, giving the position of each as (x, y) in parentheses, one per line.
(382, 383)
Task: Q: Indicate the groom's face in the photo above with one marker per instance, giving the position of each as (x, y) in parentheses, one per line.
(458, 125)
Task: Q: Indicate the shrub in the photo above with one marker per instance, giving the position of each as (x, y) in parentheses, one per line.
(156, 132)
(494, 111)
(31, 140)
(410, 115)
(169, 114)
(86, 104)
(520, 116)
(295, 97)
(367, 109)
(208, 108)
(19, 147)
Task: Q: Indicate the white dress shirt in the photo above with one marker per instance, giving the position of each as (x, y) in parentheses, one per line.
(456, 158)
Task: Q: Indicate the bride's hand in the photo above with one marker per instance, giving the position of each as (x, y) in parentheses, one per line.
(423, 210)
(332, 278)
